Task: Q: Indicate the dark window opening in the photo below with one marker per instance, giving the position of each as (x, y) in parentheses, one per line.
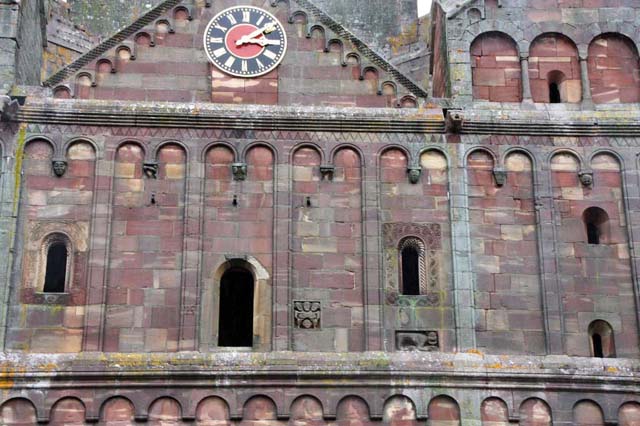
(593, 233)
(235, 326)
(602, 340)
(596, 223)
(410, 271)
(554, 93)
(596, 340)
(56, 273)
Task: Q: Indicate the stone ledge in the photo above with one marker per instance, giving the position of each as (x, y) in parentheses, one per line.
(205, 115)
(367, 369)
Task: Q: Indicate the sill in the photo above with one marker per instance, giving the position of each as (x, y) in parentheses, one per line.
(52, 298)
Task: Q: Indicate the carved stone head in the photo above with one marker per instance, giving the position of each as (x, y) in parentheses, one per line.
(239, 171)
(59, 167)
(586, 178)
(414, 174)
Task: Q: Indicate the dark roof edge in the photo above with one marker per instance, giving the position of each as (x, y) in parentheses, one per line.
(363, 48)
(109, 43)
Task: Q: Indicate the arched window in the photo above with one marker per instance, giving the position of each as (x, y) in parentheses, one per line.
(56, 259)
(412, 267)
(596, 223)
(235, 325)
(56, 274)
(601, 340)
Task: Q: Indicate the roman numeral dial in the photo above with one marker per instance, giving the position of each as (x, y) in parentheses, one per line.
(245, 41)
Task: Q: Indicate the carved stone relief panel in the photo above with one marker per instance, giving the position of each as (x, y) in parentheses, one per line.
(306, 315)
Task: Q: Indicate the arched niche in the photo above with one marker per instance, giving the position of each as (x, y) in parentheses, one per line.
(68, 412)
(18, 412)
(117, 411)
(494, 412)
(614, 69)
(554, 69)
(399, 410)
(165, 411)
(587, 413)
(629, 414)
(495, 67)
(353, 411)
(306, 411)
(213, 411)
(535, 412)
(443, 411)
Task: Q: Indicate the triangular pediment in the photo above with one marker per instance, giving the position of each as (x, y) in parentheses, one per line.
(161, 57)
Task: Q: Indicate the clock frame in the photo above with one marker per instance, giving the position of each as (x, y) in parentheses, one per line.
(245, 41)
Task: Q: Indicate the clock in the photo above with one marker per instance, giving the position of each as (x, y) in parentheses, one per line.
(245, 41)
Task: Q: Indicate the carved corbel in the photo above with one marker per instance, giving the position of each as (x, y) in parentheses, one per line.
(586, 177)
(500, 175)
(414, 173)
(327, 171)
(239, 171)
(455, 120)
(59, 166)
(150, 169)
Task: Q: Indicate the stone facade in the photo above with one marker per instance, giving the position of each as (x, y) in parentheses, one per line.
(460, 257)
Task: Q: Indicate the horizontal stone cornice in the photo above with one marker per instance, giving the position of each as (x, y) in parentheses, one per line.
(177, 115)
(288, 369)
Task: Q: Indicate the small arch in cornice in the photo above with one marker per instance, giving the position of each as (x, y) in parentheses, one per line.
(310, 145)
(489, 152)
(224, 144)
(82, 139)
(255, 144)
(569, 151)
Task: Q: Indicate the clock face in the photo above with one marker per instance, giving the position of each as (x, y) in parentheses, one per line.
(245, 41)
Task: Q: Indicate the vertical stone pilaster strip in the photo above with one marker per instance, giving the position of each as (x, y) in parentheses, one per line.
(546, 221)
(99, 249)
(371, 267)
(282, 324)
(631, 197)
(463, 277)
(9, 201)
(191, 262)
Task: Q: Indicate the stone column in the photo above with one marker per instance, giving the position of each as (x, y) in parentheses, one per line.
(526, 84)
(584, 76)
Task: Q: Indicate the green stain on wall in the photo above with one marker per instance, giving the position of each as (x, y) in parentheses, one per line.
(17, 174)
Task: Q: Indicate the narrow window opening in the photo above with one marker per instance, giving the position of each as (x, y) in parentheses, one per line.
(602, 340)
(554, 93)
(235, 325)
(593, 233)
(597, 346)
(56, 273)
(410, 271)
(596, 222)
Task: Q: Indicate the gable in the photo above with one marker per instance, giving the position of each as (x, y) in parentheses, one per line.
(161, 57)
